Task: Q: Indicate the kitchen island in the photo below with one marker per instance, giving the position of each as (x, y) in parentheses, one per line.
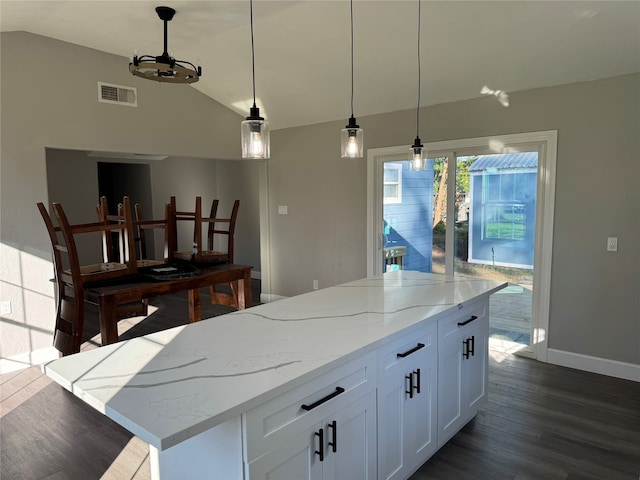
(299, 387)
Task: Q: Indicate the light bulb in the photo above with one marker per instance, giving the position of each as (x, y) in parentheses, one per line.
(256, 146)
(417, 161)
(352, 146)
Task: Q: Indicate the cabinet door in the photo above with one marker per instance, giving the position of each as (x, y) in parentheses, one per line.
(295, 458)
(391, 425)
(450, 388)
(351, 432)
(407, 423)
(421, 415)
(475, 368)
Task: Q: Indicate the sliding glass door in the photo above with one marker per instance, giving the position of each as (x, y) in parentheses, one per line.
(473, 212)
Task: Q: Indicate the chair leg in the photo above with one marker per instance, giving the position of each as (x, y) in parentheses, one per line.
(67, 336)
(228, 299)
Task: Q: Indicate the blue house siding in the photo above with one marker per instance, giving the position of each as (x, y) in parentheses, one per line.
(409, 223)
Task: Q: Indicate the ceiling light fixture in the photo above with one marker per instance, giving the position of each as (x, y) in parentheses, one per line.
(165, 68)
(418, 152)
(351, 136)
(254, 130)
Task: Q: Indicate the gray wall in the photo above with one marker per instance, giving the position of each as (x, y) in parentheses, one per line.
(595, 295)
(595, 306)
(61, 110)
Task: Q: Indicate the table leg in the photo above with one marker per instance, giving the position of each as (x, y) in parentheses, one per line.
(108, 317)
(195, 309)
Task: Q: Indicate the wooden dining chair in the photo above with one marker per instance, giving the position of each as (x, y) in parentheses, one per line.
(218, 252)
(140, 226)
(71, 277)
(215, 227)
(225, 228)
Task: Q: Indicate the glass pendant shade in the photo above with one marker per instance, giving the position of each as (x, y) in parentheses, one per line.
(352, 140)
(418, 156)
(255, 136)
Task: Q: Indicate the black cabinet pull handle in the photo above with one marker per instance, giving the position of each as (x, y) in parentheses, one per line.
(338, 391)
(409, 352)
(462, 324)
(320, 435)
(465, 350)
(471, 344)
(334, 430)
(417, 373)
(411, 387)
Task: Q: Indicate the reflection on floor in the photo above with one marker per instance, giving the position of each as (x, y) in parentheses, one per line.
(510, 320)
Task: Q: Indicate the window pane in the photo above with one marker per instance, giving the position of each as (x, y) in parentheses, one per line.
(391, 174)
(391, 191)
(492, 188)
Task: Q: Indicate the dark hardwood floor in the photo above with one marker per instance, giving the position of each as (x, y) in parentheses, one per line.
(545, 422)
(541, 422)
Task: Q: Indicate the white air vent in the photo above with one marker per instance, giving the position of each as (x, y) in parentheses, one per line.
(108, 93)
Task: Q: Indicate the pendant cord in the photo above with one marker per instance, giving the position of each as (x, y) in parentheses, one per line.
(419, 71)
(253, 62)
(352, 58)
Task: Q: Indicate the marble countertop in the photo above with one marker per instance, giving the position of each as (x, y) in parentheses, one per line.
(169, 386)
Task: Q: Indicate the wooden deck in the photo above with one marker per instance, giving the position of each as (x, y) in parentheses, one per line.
(510, 318)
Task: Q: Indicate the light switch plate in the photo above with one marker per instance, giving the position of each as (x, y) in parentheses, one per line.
(5, 307)
(612, 244)
(282, 210)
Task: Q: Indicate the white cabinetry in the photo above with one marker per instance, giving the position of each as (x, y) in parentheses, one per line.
(407, 395)
(325, 429)
(462, 367)
(341, 446)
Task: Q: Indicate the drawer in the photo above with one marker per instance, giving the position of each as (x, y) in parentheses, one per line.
(400, 350)
(267, 425)
(467, 314)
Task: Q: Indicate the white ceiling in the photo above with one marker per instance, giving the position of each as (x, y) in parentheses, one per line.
(302, 47)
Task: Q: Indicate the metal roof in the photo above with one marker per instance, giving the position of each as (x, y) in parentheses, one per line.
(505, 160)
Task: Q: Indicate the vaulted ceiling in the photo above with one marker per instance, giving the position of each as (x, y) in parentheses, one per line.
(302, 48)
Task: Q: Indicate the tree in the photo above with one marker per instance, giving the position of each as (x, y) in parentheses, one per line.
(439, 190)
(440, 174)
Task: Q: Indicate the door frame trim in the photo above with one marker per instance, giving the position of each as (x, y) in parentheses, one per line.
(545, 142)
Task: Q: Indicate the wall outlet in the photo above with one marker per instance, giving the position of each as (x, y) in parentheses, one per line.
(282, 210)
(315, 284)
(5, 307)
(612, 244)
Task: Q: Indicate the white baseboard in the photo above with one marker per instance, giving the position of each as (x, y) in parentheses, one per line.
(26, 360)
(268, 297)
(603, 366)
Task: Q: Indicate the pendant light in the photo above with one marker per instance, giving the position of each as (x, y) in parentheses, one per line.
(418, 152)
(255, 129)
(351, 137)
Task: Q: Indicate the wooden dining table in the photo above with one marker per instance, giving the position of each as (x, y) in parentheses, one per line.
(109, 296)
